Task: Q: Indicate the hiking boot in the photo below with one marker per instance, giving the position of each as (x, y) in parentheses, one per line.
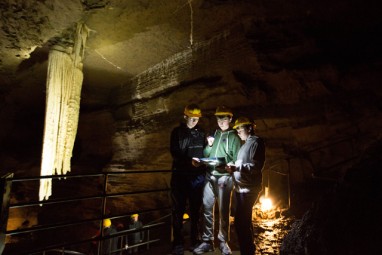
(204, 247)
(194, 245)
(224, 248)
(178, 250)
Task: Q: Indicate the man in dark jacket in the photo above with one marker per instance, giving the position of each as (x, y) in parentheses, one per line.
(187, 180)
(136, 237)
(109, 245)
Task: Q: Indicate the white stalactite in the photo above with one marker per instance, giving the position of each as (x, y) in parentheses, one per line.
(63, 93)
(191, 22)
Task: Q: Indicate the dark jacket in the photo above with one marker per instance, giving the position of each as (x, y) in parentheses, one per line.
(110, 245)
(185, 144)
(136, 237)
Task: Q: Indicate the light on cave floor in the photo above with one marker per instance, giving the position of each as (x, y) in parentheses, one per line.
(266, 208)
(269, 233)
(270, 226)
(265, 204)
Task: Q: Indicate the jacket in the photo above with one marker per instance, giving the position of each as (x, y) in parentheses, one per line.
(186, 144)
(138, 236)
(249, 165)
(226, 144)
(110, 245)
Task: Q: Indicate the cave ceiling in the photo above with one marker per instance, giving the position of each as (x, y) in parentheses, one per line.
(310, 70)
(125, 39)
(128, 37)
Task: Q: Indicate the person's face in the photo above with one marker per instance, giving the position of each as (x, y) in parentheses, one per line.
(223, 122)
(191, 121)
(243, 132)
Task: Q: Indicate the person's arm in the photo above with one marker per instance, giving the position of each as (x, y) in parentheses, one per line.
(256, 156)
(230, 168)
(175, 148)
(207, 151)
(235, 147)
(209, 144)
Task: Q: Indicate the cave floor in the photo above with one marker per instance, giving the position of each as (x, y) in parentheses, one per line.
(268, 237)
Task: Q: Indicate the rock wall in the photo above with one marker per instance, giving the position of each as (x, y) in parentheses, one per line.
(346, 219)
(307, 72)
(315, 120)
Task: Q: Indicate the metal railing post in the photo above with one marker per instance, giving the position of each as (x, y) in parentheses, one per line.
(101, 242)
(5, 185)
(148, 239)
(288, 183)
(103, 212)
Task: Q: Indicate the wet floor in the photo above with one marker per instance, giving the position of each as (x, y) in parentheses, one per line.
(269, 234)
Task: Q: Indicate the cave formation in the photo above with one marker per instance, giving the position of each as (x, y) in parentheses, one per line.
(307, 72)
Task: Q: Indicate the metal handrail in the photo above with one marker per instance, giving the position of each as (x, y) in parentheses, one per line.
(67, 200)
(273, 164)
(102, 196)
(99, 239)
(63, 251)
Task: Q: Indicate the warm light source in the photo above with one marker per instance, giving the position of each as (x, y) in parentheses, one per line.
(266, 204)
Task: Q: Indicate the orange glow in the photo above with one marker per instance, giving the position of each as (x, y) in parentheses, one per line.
(266, 203)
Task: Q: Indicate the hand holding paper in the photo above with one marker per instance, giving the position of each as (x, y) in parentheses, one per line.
(196, 162)
(218, 163)
(210, 140)
(230, 168)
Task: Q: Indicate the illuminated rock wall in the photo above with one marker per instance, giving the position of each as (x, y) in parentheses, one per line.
(315, 120)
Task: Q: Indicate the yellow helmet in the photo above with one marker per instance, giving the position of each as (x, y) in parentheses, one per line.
(192, 110)
(186, 216)
(223, 111)
(242, 121)
(106, 223)
(134, 215)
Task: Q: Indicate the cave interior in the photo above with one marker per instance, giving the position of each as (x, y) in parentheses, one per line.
(307, 72)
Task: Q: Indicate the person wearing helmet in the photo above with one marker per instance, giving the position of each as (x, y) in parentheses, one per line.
(109, 245)
(247, 178)
(135, 237)
(186, 225)
(187, 179)
(218, 188)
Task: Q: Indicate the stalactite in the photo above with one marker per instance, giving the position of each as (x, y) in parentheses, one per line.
(64, 83)
(191, 22)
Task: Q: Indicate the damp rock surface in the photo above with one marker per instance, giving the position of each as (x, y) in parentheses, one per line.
(345, 220)
(269, 234)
